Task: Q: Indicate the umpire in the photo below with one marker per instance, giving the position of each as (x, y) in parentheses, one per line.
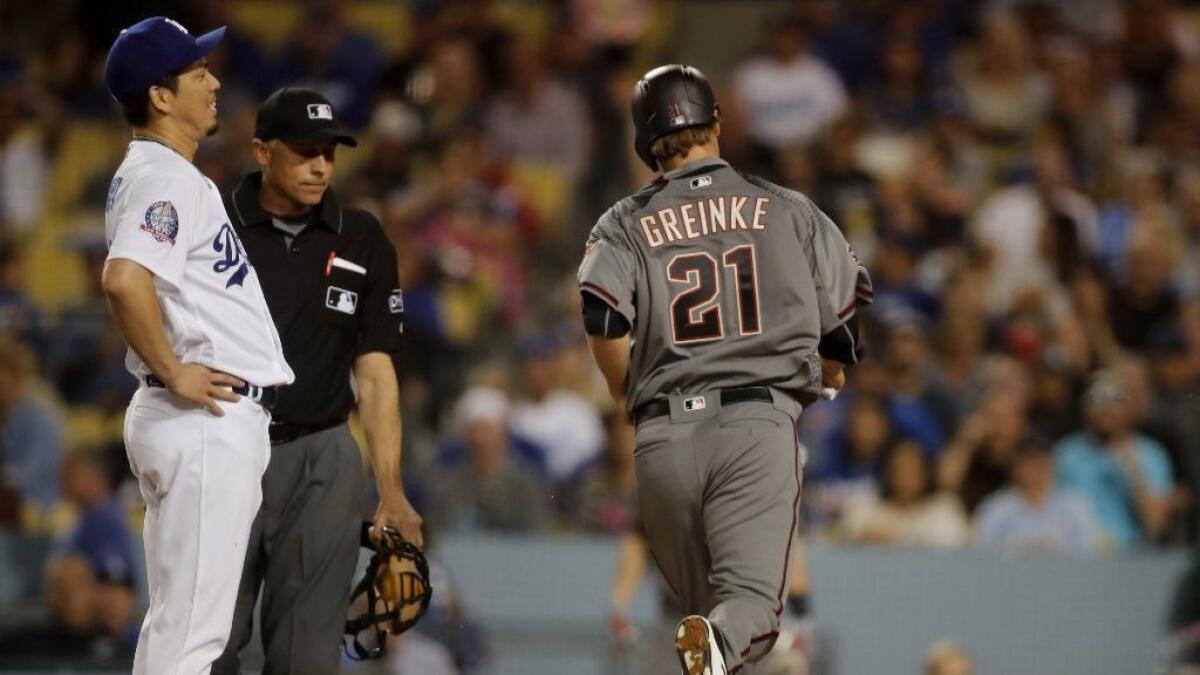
(330, 278)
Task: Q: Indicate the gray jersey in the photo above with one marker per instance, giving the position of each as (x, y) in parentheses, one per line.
(728, 281)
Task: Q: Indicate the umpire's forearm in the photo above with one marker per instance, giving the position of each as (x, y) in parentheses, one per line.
(129, 288)
(379, 409)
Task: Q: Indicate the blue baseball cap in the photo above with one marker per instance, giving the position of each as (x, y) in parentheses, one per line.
(149, 50)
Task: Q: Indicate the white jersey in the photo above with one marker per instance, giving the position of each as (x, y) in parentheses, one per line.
(163, 214)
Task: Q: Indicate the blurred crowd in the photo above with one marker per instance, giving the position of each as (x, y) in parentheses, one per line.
(1021, 177)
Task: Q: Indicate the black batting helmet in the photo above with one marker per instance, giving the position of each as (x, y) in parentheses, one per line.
(670, 98)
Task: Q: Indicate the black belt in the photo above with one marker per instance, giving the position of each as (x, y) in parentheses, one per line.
(661, 406)
(264, 396)
(286, 432)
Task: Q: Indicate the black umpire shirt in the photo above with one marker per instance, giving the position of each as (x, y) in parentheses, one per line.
(333, 291)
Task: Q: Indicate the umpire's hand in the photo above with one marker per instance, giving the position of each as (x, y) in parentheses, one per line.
(395, 510)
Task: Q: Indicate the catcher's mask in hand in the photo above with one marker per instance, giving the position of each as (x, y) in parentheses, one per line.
(396, 590)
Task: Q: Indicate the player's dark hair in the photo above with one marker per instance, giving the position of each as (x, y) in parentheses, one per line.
(137, 111)
(677, 143)
(898, 445)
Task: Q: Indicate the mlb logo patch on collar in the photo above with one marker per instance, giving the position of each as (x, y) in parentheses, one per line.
(701, 181)
(341, 300)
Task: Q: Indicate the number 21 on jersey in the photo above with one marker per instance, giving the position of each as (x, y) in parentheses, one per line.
(696, 309)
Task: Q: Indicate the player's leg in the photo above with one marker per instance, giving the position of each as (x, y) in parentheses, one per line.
(314, 521)
(669, 491)
(753, 497)
(243, 614)
(205, 475)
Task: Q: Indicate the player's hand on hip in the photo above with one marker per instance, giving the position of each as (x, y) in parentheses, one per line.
(395, 511)
(204, 386)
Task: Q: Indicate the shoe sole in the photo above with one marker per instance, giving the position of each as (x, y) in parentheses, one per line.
(691, 642)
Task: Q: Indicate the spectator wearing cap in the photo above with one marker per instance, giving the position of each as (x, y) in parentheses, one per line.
(1125, 475)
(562, 422)
(329, 276)
(492, 490)
(1032, 514)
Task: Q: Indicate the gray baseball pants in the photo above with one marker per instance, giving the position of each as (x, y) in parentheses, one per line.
(719, 493)
(302, 553)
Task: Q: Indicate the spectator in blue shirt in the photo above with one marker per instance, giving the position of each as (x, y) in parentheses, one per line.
(30, 432)
(1032, 515)
(1126, 476)
(326, 54)
(102, 538)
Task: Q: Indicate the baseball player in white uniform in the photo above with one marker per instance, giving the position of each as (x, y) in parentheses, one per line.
(202, 343)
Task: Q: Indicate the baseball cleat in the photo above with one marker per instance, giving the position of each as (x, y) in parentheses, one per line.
(698, 648)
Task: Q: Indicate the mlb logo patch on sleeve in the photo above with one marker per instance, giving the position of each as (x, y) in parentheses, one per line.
(162, 222)
(341, 300)
(396, 302)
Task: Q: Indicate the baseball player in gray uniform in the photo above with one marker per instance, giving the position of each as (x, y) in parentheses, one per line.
(717, 305)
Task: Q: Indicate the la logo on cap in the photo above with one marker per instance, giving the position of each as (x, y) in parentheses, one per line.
(320, 111)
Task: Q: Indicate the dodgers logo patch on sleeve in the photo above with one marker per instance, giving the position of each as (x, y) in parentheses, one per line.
(396, 301)
(162, 222)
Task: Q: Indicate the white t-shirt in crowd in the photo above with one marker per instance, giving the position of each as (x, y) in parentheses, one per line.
(790, 102)
(566, 426)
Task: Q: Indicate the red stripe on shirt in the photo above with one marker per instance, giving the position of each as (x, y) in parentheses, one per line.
(602, 292)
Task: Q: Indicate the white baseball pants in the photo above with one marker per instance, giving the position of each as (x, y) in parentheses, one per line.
(201, 478)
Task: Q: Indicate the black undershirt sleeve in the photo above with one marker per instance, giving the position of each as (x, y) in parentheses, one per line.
(841, 343)
(601, 320)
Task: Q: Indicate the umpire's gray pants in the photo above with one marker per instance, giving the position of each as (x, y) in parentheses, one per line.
(719, 493)
(302, 553)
